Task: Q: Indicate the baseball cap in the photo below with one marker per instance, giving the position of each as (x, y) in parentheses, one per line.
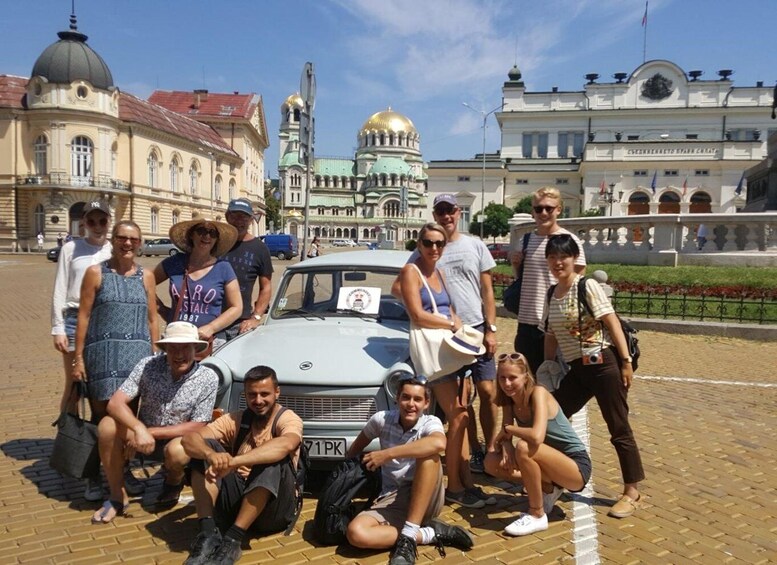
(99, 205)
(242, 205)
(445, 199)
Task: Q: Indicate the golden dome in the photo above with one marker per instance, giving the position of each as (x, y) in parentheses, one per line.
(293, 100)
(388, 120)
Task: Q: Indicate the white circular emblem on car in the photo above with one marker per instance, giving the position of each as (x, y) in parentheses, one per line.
(305, 365)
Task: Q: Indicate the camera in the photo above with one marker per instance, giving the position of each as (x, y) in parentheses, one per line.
(593, 358)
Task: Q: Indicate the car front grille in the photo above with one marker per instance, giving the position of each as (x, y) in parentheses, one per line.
(327, 408)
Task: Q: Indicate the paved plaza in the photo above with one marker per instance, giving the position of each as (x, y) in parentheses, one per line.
(703, 410)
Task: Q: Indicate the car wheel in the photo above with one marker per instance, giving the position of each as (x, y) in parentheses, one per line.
(173, 252)
(281, 255)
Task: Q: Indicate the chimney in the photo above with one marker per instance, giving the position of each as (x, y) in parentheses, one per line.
(200, 96)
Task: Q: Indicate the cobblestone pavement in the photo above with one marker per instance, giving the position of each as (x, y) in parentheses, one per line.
(703, 410)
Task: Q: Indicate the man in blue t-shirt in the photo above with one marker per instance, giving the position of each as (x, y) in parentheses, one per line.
(251, 262)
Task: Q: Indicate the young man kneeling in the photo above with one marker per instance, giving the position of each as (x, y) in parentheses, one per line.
(412, 495)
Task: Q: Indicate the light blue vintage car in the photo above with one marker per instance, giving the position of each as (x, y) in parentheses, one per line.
(338, 341)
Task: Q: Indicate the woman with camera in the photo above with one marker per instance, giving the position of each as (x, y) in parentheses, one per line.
(599, 359)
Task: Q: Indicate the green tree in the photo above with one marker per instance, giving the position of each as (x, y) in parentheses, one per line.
(591, 212)
(523, 206)
(272, 212)
(496, 224)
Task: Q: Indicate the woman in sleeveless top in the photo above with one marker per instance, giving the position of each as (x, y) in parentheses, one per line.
(116, 327)
(547, 455)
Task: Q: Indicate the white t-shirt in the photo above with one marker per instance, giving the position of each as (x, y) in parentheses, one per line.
(537, 278)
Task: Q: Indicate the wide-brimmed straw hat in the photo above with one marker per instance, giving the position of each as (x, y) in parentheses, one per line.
(227, 235)
(182, 332)
(467, 340)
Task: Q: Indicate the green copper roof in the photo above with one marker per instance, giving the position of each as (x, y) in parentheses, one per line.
(390, 166)
(289, 159)
(335, 167)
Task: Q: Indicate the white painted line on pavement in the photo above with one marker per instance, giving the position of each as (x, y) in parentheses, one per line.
(584, 532)
(705, 381)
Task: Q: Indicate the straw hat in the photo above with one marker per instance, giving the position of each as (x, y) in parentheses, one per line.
(182, 332)
(466, 340)
(227, 235)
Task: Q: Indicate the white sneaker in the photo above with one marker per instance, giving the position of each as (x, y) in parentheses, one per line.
(527, 524)
(94, 490)
(549, 499)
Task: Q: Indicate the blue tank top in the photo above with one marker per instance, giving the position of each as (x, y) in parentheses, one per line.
(559, 434)
(441, 298)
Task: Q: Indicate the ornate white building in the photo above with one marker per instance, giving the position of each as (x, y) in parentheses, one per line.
(359, 198)
(656, 140)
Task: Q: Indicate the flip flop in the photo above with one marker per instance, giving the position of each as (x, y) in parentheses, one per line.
(103, 513)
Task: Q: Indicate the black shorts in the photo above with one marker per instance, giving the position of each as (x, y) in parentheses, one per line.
(583, 461)
(277, 478)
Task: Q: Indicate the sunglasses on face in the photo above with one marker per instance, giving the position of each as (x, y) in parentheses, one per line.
(202, 231)
(546, 209)
(445, 210)
(92, 222)
(124, 239)
(429, 243)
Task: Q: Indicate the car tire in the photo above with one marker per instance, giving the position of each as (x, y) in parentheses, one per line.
(281, 255)
(173, 252)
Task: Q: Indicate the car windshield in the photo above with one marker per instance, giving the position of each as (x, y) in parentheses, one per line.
(357, 293)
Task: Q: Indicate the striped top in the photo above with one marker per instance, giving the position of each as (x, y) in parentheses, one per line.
(537, 278)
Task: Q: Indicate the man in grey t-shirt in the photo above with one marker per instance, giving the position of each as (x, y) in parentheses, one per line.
(177, 396)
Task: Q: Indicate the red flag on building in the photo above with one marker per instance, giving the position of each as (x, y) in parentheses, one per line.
(644, 18)
(602, 188)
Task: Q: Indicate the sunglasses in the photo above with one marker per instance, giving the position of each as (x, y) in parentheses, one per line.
(512, 357)
(445, 210)
(124, 239)
(419, 379)
(202, 231)
(92, 222)
(429, 243)
(546, 209)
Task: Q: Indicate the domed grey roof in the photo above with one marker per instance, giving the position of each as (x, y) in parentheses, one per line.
(71, 59)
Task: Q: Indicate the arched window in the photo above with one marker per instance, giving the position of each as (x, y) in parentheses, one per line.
(40, 151)
(176, 217)
(114, 159)
(81, 153)
(153, 169)
(391, 209)
(154, 221)
(174, 174)
(217, 188)
(194, 178)
(366, 233)
(40, 219)
(232, 189)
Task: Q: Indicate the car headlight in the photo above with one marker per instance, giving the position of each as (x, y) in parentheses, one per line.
(392, 381)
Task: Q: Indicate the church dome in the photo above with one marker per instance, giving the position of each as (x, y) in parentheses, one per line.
(389, 121)
(71, 59)
(293, 101)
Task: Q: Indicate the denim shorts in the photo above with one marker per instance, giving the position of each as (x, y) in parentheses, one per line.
(583, 461)
(71, 321)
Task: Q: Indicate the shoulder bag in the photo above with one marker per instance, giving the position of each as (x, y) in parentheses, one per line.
(75, 452)
(511, 297)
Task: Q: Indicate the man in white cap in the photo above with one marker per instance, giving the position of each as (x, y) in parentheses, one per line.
(251, 262)
(177, 396)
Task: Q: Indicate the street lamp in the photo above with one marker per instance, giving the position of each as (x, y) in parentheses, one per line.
(608, 198)
(484, 115)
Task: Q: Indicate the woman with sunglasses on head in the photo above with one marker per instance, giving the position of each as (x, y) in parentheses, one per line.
(547, 455)
(116, 326)
(599, 358)
(203, 288)
(431, 242)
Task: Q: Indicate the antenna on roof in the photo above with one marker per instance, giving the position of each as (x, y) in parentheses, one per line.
(73, 25)
(516, 52)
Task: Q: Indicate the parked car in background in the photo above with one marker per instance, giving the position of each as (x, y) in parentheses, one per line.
(159, 246)
(343, 243)
(281, 245)
(338, 341)
(499, 251)
(53, 254)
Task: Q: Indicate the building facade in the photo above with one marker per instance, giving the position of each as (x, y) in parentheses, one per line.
(656, 140)
(379, 194)
(68, 135)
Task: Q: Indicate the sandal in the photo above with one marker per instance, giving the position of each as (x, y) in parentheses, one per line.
(103, 515)
(169, 495)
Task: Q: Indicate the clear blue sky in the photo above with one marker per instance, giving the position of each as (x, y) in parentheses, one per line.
(421, 57)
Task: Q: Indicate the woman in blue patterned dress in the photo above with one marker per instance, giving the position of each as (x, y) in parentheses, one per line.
(116, 327)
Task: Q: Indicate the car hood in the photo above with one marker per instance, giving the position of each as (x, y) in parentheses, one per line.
(335, 351)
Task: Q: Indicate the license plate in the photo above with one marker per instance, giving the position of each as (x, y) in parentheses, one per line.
(325, 448)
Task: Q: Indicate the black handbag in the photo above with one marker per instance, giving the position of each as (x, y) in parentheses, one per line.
(511, 297)
(75, 452)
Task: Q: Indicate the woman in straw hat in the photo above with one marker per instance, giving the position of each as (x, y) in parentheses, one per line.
(203, 288)
(417, 278)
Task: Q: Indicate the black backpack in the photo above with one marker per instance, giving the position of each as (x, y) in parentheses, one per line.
(629, 331)
(300, 473)
(511, 297)
(336, 507)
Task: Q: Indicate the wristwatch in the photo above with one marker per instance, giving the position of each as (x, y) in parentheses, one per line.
(491, 328)
(257, 317)
(627, 359)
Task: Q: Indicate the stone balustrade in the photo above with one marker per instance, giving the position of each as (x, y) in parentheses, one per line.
(670, 239)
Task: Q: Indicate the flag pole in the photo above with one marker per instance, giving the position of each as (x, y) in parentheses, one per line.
(644, 33)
